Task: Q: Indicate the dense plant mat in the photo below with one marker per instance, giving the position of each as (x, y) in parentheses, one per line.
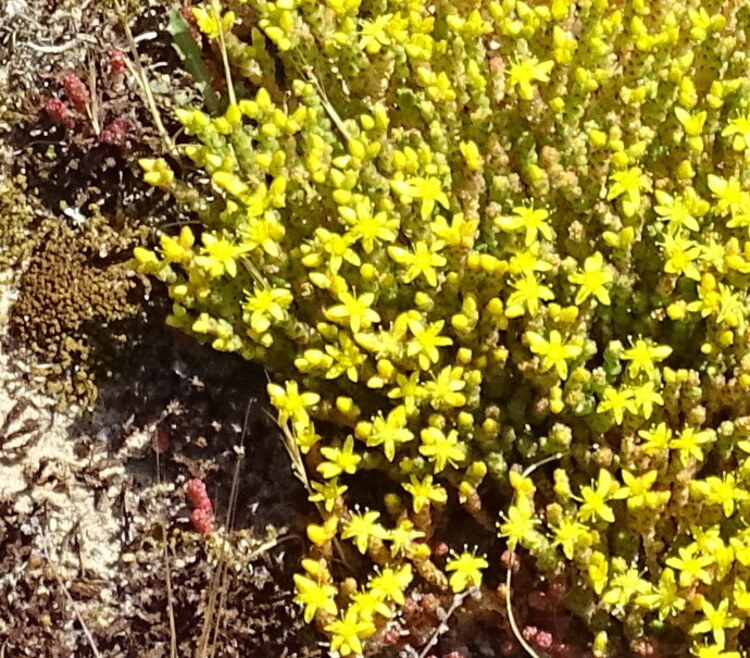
(497, 255)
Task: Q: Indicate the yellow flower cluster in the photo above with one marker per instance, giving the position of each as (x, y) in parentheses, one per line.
(465, 235)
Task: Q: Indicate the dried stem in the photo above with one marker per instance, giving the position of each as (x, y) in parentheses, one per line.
(216, 13)
(217, 590)
(168, 573)
(300, 472)
(442, 627)
(139, 73)
(71, 601)
(508, 576)
(92, 108)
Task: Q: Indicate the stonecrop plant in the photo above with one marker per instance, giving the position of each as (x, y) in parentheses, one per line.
(468, 237)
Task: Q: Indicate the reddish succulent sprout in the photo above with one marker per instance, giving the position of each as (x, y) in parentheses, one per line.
(430, 602)
(195, 492)
(58, 111)
(115, 132)
(391, 637)
(557, 589)
(202, 516)
(538, 637)
(160, 440)
(202, 520)
(410, 607)
(76, 91)
(116, 63)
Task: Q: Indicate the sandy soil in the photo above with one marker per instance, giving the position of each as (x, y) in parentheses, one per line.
(97, 553)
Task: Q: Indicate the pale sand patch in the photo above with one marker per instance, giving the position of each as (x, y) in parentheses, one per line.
(61, 481)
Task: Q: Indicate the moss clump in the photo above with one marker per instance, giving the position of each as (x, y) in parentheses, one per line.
(19, 220)
(73, 298)
(476, 236)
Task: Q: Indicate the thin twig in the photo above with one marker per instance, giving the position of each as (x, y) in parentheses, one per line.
(270, 544)
(51, 50)
(307, 71)
(292, 449)
(217, 589)
(70, 599)
(168, 569)
(216, 12)
(93, 107)
(300, 472)
(442, 627)
(509, 606)
(139, 73)
(511, 557)
(230, 526)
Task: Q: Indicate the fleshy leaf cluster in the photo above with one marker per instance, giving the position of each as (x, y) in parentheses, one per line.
(466, 237)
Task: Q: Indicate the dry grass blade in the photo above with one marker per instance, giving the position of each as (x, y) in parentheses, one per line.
(292, 449)
(509, 608)
(71, 600)
(307, 71)
(216, 14)
(217, 589)
(300, 472)
(222, 580)
(170, 604)
(295, 456)
(93, 107)
(508, 576)
(139, 73)
(168, 570)
(442, 627)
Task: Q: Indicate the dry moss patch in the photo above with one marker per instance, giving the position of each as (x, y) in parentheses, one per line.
(74, 301)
